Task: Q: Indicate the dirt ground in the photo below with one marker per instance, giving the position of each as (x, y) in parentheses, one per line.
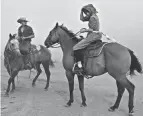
(34, 101)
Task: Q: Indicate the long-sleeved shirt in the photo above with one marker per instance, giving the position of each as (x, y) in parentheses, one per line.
(94, 22)
(25, 31)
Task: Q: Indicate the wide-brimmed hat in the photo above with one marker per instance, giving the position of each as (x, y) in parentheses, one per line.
(22, 19)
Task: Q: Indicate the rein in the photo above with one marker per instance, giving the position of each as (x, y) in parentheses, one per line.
(54, 45)
(76, 34)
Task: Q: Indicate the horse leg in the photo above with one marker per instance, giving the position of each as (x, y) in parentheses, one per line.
(11, 79)
(15, 73)
(47, 71)
(38, 73)
(8, 87)
(13, 85)
(130, 88)
(81, 87)
(17, 77)
(70, 77)
(121, 90)
(29, 73)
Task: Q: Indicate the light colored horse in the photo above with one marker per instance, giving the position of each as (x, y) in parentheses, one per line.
(13, 61)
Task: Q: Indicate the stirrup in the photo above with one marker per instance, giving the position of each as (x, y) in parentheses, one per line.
(78, 70)
(74, 67)
(28, 65)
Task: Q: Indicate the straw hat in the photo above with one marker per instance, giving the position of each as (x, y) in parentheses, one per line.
(22, 19)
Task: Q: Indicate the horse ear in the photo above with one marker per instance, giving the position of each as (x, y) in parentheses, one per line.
(57, 24)
(10, 36)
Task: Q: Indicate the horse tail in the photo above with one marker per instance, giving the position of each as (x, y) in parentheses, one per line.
(51, 62)
(135, 64)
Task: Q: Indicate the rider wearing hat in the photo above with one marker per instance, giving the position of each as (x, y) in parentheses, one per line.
(93, 31)
(25, 33)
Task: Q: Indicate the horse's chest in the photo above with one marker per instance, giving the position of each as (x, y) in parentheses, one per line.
(68, 61)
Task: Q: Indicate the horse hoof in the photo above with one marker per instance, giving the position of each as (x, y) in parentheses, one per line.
(45, 89)
(68, 104)
(131, 113)
(33, 84)
(6, 95)
(12, 91)
(111, 109)
(83, 105)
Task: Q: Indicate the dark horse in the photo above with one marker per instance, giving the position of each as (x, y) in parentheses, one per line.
(13, 61)
(115, 59)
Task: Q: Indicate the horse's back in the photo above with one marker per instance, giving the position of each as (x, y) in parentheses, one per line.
(117, 51)
(117, 58)
(112, 56)
(41, 53)
(116, 48)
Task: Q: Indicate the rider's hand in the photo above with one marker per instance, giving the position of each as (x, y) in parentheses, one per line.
(82, 30)
(22, 38)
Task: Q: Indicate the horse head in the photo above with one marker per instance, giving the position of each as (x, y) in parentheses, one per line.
(13, 44)
(53, 36)
(60, 34)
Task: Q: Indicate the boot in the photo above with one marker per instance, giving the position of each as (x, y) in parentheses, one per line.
(77, 68)
(27, 64)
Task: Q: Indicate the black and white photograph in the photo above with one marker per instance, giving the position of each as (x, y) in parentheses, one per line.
(71, 57)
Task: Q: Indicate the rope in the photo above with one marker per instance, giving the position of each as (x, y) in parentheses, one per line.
(109, 38)
(54, 45)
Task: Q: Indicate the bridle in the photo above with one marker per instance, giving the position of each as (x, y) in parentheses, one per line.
(50, 43)
(10, 48)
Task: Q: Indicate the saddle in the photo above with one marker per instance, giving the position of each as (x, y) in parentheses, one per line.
(26, 47)
(91, 51)
(94, 49)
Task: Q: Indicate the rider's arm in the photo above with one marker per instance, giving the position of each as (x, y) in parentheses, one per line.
(83, 30)
(19, 32)
(94, 23)
(82, 18)
(89, 30)
(31, 36)
(30, 33)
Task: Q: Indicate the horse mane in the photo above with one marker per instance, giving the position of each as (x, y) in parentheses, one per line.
(70, 33)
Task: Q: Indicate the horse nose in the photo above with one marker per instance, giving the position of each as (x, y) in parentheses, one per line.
(46, 44)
